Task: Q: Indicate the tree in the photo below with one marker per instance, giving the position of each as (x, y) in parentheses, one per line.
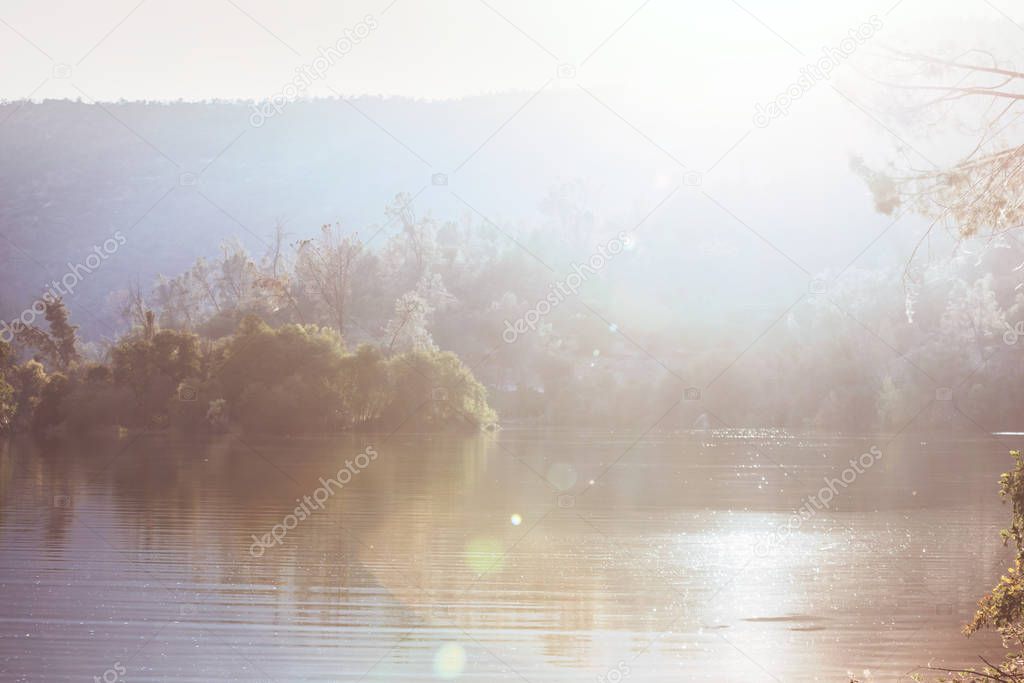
(8, 407)
(28, 380)
(324, 269)
(132, 306)
(367, 384)
(237, 278)
(287, 380)
(58, 346)
(982, 193)
(436, 389)
(411, 253)
(407, 330)
(50, 411)
(152, 366)
(276, 283)
(274, 261)
(93, 402)
(64, 334)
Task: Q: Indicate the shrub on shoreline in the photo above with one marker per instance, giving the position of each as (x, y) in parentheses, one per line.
(293, 379)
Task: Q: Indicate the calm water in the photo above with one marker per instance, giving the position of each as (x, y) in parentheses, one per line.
(131, 559)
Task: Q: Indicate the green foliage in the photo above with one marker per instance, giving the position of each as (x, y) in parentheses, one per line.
(295, 405)
(261, 355)
(300, 379)
(152, 366)
(63, 334)
(8, 406)
(189, 410)
(367, 384)
(290, 380)
(427, 285)
(50, 411)
(96, 373)
(58, 346)
(94, 402)
(28, 381)
(436, 389)
(287, 380)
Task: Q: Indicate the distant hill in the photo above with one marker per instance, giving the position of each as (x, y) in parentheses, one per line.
(179, 178)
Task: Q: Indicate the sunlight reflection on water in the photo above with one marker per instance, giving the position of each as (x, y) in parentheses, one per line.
(461, 559)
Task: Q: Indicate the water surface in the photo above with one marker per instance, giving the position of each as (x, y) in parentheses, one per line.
(495, 558)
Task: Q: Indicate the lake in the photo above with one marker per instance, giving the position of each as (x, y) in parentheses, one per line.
(524, 555)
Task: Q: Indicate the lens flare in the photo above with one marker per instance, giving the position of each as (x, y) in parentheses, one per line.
(449, 661)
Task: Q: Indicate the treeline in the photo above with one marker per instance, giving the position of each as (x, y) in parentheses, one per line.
(294, 379)
(625, 345)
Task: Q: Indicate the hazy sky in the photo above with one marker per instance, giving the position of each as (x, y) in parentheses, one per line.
(671, 52)
(664, 96)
